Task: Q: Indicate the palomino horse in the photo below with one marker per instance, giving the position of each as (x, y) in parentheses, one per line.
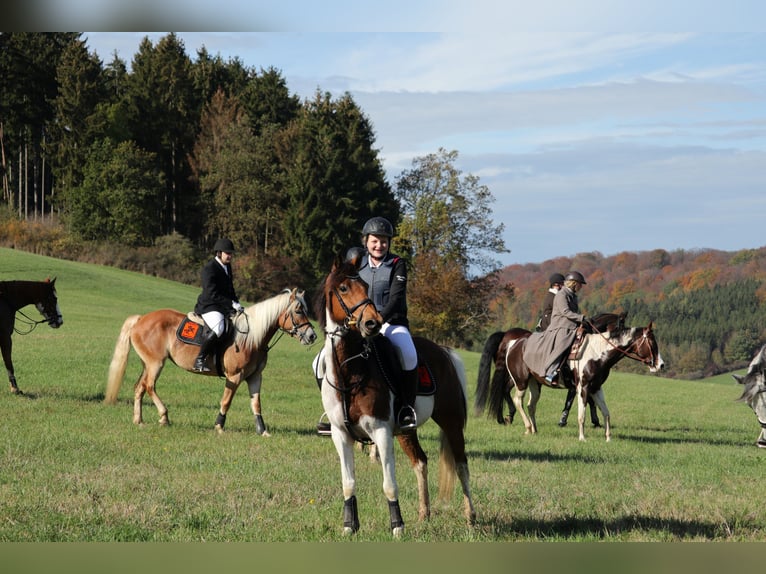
(153, 337)
(494, 354)
(597, 354)
(754, 393)
(358, 399)
(14, 295)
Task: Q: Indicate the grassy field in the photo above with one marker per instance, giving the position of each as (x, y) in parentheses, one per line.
(682, 465)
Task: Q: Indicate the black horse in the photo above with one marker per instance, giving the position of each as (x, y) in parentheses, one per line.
(14, 295)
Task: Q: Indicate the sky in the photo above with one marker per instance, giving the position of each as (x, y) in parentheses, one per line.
(595, 127)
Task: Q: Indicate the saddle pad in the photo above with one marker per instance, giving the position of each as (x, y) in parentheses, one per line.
(190, 332)
(426, 382)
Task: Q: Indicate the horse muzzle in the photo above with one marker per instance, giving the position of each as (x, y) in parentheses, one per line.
(369, 327)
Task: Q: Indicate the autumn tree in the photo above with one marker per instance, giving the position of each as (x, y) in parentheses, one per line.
(447, 231)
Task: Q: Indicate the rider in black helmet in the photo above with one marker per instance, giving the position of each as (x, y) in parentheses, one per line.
(217, 300)
(556, 282)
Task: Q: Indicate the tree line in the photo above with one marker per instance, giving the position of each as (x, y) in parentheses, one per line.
(165, 156)
(708, 306)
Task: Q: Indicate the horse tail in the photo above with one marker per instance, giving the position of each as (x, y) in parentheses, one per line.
(448, 466)
(485, 367)
(119, 360)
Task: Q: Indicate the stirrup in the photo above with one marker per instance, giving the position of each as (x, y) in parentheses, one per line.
(200, 366)
(323, 426)
(406, 418)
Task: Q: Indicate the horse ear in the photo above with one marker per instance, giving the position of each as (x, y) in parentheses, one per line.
(739, 378)
(651, 326)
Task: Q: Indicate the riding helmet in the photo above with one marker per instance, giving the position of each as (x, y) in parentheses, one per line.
(575, 276)
(378, 226)
(225, 245)
(556, 278)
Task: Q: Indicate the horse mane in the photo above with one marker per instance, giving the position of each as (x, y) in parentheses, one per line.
(608, 322)
(755, 373)
(257, 320)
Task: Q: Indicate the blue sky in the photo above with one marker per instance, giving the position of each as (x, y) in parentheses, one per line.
(640, 133)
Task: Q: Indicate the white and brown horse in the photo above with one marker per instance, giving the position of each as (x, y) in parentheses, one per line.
(154, 338)
(358, 397)
(598, 353)
(14, 296)
(754, 392)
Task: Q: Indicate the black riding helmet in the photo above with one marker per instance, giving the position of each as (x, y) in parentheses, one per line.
(575, 276)
(224, 244)
(556, 278)
(378, 226)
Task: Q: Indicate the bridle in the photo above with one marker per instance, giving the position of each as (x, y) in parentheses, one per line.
(351, 320)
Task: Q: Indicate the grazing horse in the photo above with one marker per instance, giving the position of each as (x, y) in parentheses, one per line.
(754, 393)
(358, 397)
(154, 338)
(597, 354)
(14, 295)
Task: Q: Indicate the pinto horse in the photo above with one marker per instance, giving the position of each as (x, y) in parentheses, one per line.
(754, 392)
(153, 337)
(494, 354)
(14, 295)
(596, 356)
(358, 397)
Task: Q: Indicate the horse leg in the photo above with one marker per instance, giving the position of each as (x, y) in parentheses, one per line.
(518, 401)
(582, 397)
(419, 461)
(5, 345)
(254, 386)
(598, 398)
(384, 440)
(151, 373)
(229, 390)
(534, 396)
(138, 395)
(344, 444)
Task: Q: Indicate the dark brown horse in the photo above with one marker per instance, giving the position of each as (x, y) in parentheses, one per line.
(598, 353)
(358, 397)
(15, 295)
(153, 337)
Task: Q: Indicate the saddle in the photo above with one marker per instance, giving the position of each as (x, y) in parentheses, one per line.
(389, 365)
(578, 346)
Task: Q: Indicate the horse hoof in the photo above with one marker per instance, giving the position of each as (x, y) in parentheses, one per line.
(398, 531)
(219, 429)
(348, 531)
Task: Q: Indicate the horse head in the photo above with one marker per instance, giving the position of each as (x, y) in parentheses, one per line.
(344, 302)
(48, 305)
(646, 350)
(294, 319)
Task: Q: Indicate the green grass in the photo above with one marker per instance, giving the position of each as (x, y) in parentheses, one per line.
(682, 465)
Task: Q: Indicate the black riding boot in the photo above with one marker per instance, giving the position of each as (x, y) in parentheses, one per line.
(207, 345)
(406, 418)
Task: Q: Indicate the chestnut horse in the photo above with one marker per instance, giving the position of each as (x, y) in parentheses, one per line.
(153, 337)
(754, 392)
(358, 397)
(14, 295)
(597, 354)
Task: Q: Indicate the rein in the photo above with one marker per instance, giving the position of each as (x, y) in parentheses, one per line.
(31, 323)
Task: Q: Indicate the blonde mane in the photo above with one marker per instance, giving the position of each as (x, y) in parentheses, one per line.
(259, 320)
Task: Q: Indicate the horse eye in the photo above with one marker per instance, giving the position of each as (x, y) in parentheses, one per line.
(343, 288)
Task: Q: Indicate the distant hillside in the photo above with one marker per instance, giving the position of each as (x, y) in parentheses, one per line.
(708, 306)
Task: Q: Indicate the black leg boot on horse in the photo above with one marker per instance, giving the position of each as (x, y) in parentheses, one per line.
(405, 418)
(209, 342)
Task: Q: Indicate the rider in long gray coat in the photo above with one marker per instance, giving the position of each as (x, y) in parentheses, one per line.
(545, 351)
